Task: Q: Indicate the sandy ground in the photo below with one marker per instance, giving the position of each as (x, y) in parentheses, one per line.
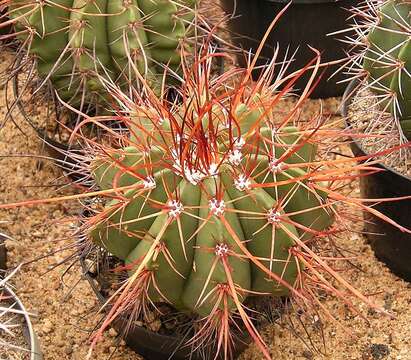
(65, 306)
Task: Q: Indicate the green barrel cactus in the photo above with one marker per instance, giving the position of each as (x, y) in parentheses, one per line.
(210, 206)
(75, 42)
(387, 59)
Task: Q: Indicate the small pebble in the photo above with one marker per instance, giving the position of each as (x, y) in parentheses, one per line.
(68, 350)
(308, 355)
(379, 351)
(154, 325)
(112, 332)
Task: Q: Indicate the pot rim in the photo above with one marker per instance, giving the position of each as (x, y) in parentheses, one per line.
(349, 92)
(35, 352)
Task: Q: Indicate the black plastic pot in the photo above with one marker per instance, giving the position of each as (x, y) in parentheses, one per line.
(154, 346)
(4, 30)
(390, 245)
(3, 253)
(306, 22)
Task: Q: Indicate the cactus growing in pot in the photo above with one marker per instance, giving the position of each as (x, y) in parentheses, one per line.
(205, 204)
(388, 60)
(377, 103)
(223, 197)
(384, 60)
(18, 339)
(73, 41)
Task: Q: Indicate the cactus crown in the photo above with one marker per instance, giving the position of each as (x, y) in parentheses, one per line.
(124, 40)
(384, 30)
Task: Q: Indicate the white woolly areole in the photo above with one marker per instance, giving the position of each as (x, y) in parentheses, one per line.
(273, 216)
(234, 157)
(193, 176)
(149, 182)
(221, 250)
(274, 166)
(217, 207)
(175, 208)
(242, 183)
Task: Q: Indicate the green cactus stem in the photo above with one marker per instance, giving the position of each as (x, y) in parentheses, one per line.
(387, 60)
(75, 42)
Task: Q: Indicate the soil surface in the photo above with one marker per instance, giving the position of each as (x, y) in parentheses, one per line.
(66, 307)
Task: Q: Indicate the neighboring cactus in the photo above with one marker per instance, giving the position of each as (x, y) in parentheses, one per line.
(385, 33)
(75, 42)
(17, 337)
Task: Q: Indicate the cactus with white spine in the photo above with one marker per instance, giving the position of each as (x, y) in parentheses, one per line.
(74, 42)
(384, 61)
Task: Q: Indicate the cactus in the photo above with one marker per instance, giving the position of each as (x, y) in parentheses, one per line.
(75, 40)
(221, 189)
(210, 199)
(220, 198)
(386, 57)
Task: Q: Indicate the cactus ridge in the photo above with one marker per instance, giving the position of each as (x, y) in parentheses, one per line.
(74, 40)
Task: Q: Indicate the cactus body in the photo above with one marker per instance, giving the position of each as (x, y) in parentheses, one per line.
(194, 220)
(388, 60)
(74, 40)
